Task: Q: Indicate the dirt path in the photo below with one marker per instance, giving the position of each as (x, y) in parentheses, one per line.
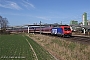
(32, 49)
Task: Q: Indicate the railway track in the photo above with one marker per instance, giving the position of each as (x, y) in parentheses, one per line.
(75, 38)
(79, 39)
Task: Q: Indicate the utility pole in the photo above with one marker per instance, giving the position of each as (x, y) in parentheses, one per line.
(40, 27)
(61, 22)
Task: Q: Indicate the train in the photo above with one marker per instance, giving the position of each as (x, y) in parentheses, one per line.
(63, 30)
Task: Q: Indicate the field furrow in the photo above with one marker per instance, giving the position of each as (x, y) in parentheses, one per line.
(21, 47)
(13, 46)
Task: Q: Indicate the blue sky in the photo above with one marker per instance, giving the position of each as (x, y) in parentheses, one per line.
(22, 12)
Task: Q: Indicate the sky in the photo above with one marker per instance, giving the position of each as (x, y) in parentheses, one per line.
(23, 12)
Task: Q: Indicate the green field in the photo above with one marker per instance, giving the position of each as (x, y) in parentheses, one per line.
(21, 47)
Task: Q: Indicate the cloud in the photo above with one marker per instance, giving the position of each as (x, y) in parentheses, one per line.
(16, 5)
(44, 18)
(9, 4)
(27, 4)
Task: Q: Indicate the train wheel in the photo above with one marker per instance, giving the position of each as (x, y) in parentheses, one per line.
(63, 36)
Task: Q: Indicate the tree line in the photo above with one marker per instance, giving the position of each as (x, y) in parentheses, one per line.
(3, 24)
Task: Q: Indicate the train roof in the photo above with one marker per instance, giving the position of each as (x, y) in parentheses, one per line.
(47, 25)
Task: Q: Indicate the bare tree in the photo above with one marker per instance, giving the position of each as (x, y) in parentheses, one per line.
(3, 23)
(0, 21)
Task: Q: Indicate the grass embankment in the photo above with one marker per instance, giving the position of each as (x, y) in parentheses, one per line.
(15, 47)
(63, 49)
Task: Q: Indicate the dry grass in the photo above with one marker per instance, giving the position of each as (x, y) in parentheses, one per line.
(62, 49)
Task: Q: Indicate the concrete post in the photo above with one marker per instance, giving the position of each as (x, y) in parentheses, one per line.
(40, 27)
(28, 29)
(84, 30)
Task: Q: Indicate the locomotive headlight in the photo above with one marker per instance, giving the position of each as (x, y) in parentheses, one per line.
(68, 32)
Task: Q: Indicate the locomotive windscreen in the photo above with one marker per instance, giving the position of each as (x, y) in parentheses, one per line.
(67, 29)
